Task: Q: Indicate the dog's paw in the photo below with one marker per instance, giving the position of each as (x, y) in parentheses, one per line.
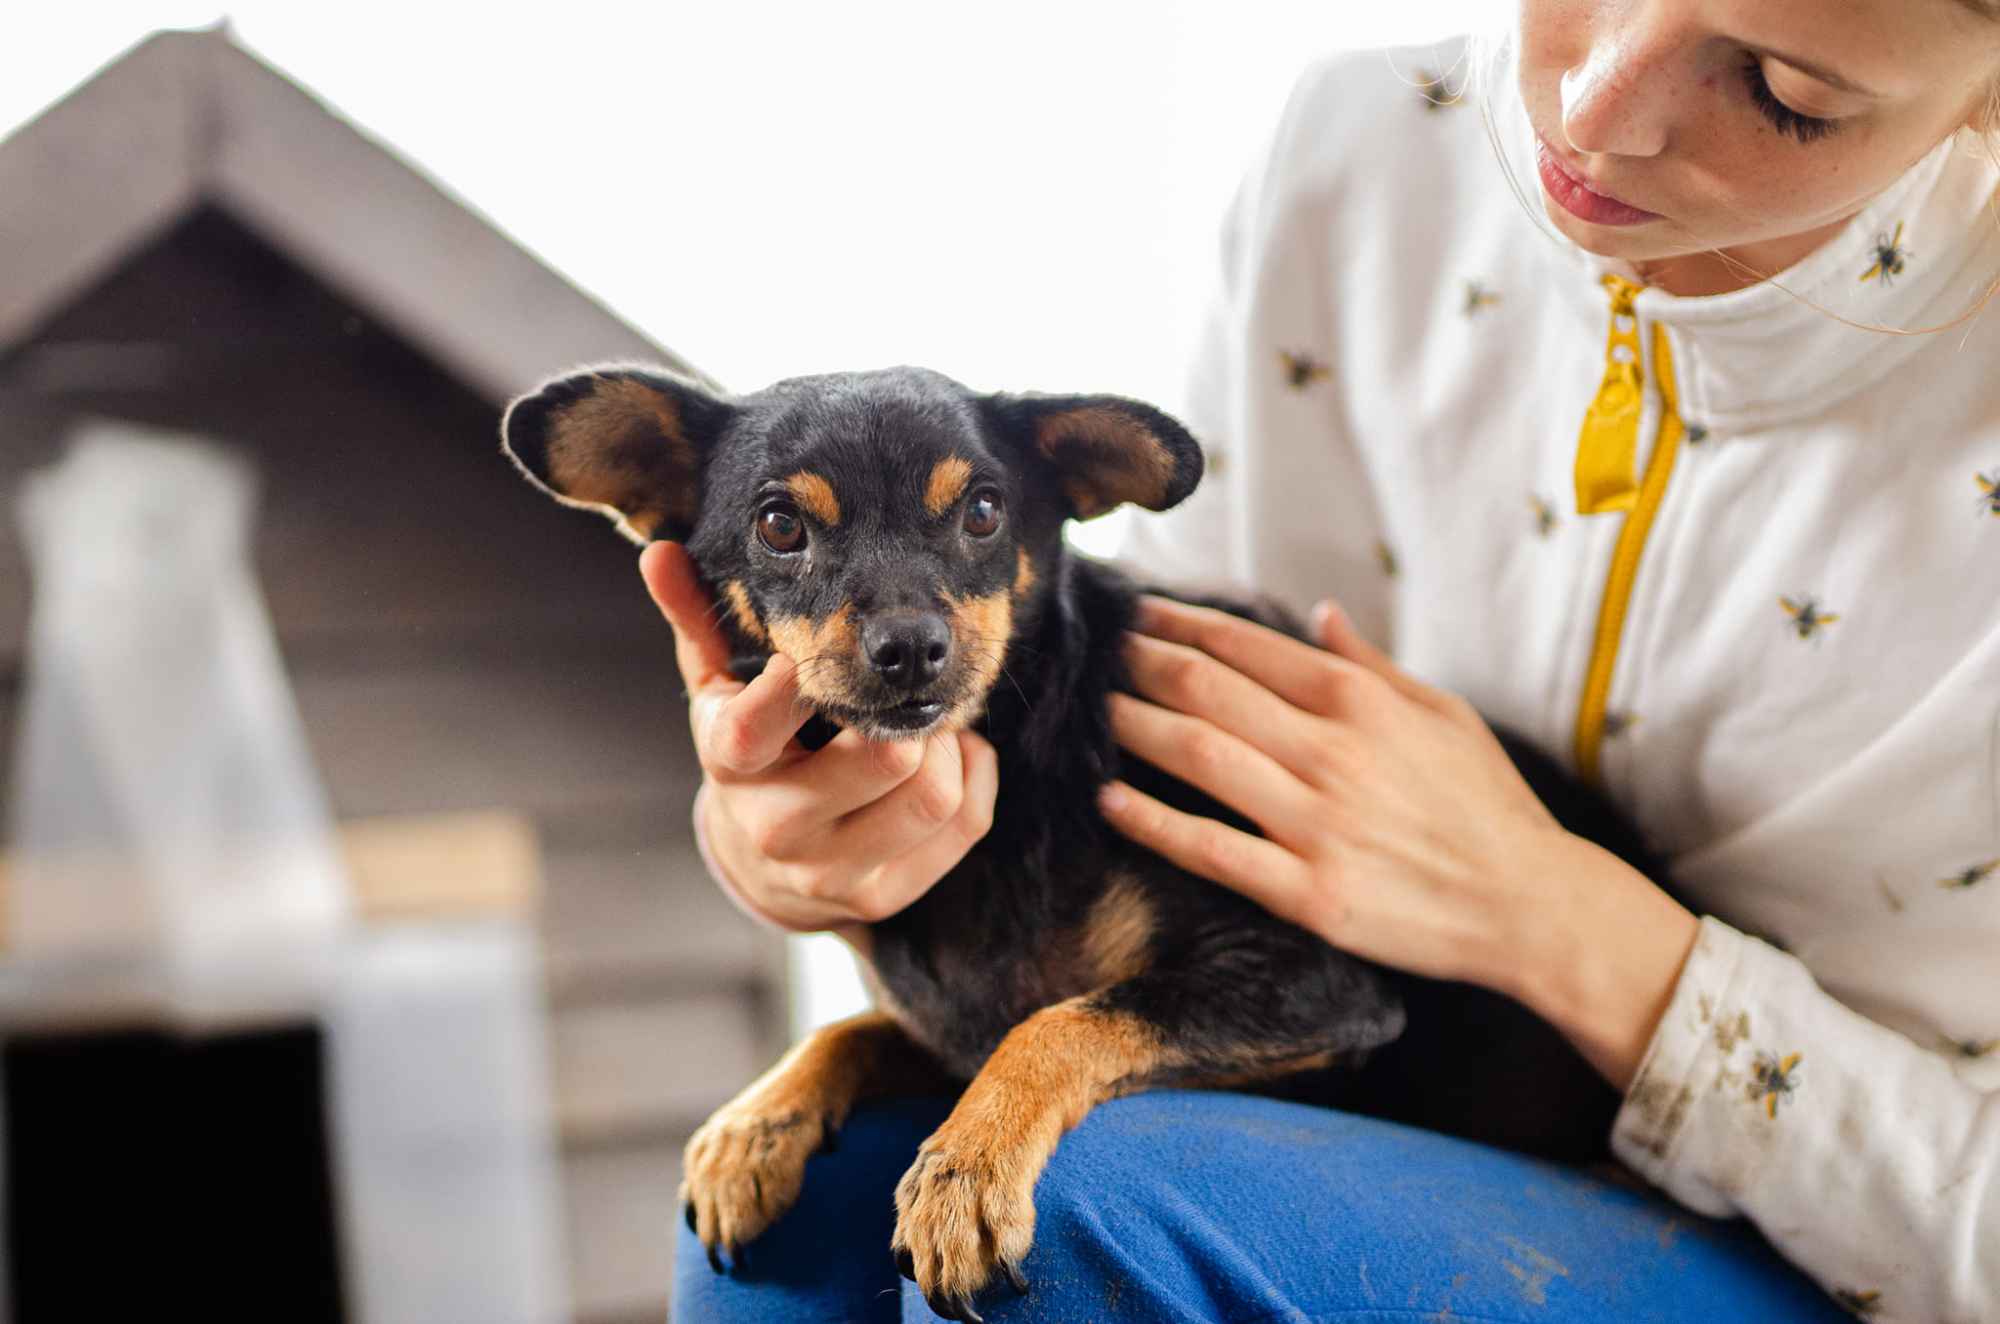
(744, 1168)
(964, 1211)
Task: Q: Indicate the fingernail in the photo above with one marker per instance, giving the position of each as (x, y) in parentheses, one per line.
(1112, 797)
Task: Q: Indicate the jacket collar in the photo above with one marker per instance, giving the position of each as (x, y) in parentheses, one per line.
(1765, 355)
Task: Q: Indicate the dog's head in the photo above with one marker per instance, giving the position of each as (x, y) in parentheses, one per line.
(890, 531)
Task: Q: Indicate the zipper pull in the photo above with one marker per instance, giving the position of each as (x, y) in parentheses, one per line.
(1607, 452)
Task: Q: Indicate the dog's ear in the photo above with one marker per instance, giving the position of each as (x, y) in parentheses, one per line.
(1106, 449)
(629, 442)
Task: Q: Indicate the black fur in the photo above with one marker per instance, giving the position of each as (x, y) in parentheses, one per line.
(1234, 991)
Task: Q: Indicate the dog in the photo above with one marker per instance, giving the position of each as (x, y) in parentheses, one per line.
(901, 537)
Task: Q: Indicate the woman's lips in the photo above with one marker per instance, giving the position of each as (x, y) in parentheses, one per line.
(1578, 198)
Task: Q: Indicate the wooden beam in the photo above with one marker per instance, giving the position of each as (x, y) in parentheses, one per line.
(404, 867)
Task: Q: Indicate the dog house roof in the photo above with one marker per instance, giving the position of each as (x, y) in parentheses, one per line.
(191, 119)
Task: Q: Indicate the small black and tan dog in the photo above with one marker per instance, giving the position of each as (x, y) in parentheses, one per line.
(901, 537)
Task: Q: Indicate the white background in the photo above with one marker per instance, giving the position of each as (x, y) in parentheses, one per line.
(1022, 195)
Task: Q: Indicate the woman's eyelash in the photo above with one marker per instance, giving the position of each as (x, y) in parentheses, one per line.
(1806, 128)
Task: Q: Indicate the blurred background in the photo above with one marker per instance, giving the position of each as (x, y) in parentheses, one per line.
(354, 960)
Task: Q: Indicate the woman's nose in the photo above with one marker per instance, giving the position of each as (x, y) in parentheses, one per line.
(1619, 101)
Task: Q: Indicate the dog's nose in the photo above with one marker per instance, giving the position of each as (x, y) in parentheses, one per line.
(907, 648)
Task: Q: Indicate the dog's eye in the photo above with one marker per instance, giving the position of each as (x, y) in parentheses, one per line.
(982, 513)
(780, 528)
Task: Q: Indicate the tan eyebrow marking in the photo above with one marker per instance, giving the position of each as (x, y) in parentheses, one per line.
(948, 479)
(1024, 577)
(746, 615)
(815, 496)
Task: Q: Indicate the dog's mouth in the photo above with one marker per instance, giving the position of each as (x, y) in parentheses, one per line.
(910, 715)
(895, 721)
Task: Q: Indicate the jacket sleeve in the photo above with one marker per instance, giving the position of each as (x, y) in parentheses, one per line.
(1871, 1162)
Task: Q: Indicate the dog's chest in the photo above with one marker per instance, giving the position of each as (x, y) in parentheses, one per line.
(987, 948)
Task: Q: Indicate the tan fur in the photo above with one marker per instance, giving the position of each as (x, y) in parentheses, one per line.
(824, 651)
(815, 496)
(1117, 934)
(1024, 574)
(966, 1206)
(744, 1167)
(948, 479)
(1117, 459)
(738, 599)
(621, 446)
(980, 629)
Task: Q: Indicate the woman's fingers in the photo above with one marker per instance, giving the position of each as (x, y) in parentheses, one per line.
(699, 647)
(1189, 681)
(1231, 769)
(928, 803)
(1336, 633)
(1304, 676)
(797, 806)
(739, 730)
(1262, 870)
(910, 875)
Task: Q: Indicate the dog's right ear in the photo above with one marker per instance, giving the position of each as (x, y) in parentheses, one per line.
(628, 442)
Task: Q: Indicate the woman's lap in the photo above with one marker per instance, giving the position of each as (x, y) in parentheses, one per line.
(1185, 1205)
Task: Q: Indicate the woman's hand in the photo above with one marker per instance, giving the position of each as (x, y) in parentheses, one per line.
(1395, 826)
(829, 839)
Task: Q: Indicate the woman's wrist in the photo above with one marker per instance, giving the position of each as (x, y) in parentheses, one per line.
(1600, 953)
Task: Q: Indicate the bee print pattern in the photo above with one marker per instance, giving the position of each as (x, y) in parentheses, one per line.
(1862, 1304)
(1477, 296)
(1773, 1079)
(1970, 876)
(1436, 90)
(1970, 1049)
(1695, 433)
(1385, 557)
(1617, 722)
(1545, 515)
(1989, 491)
(1807, 618)
(1301, 368)
(1889, 256)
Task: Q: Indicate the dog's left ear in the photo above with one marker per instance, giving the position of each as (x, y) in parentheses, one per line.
(1108, 450)
(630, 442)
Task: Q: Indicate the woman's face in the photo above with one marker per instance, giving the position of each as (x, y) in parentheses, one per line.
(1672, 128)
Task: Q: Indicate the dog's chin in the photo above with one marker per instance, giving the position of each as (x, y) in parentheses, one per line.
(912, 719)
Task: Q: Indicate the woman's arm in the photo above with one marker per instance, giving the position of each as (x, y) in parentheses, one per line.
(1397, 828)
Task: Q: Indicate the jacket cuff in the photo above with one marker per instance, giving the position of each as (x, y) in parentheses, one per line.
(1685, 1064)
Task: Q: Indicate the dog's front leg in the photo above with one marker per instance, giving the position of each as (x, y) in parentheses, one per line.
(745, 1166)
(965, 1209)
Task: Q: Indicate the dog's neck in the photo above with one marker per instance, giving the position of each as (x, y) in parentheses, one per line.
(1046, 714)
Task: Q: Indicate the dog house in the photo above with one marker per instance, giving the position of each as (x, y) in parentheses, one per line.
(489, 734)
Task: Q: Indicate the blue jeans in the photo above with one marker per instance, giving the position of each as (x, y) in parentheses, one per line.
(1187, 1205)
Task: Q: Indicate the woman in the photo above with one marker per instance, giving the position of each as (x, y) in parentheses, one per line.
(1756, 595)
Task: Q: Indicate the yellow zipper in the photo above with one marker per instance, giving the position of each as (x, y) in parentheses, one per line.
(1609, 445)
(1606, 457)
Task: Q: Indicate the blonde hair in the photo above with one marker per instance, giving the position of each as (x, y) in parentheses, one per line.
(1476, 76)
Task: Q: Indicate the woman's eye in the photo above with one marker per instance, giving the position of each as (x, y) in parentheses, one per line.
(781, 529)
(982, 514)
(1806, 128)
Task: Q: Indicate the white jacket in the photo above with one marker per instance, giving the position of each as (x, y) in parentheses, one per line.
(1777, 644)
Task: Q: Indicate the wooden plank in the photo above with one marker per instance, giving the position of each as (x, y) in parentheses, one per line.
(623, 918)
(424, 866)
(622, 1213)
(639, 1069)
(93, 177)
